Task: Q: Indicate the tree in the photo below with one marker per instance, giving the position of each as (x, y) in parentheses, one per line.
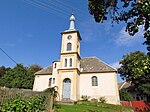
(34, 68)
(135, 67)
(19, 77)
(135, 13)
(3, 70)
(125, 96)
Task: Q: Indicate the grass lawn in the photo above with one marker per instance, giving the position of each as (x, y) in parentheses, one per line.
(93, 107)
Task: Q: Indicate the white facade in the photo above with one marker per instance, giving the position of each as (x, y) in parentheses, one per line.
(75, 76)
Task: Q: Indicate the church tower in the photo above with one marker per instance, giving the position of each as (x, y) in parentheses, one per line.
(69, 63)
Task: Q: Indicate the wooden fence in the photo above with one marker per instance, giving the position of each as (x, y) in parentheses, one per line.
(139, 106)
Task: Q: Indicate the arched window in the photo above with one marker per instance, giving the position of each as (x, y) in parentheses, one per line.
(94, 81)
(50, 82)
(65, 62)
(53, 80)
(70, 62)
(55, 65)
(69, 46)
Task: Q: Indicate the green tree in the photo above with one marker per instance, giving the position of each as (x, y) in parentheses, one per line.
(135, 13)
(3, 70)
(34, 68)
(19, 77)
(125, 96)
(135, 67)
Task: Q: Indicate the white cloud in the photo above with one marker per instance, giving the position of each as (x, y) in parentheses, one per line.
(91, 30)
(123, 38)
(115, 65)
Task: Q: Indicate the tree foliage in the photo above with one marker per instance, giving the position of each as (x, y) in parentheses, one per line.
(135, 67)
(3, 70)
(135, 13)
(19, 77)
(125, 96)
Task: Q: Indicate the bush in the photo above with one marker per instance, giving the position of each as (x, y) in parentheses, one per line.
(34, 104)
(85, 97)
(125, 96)
(102, 99)
(93, 100)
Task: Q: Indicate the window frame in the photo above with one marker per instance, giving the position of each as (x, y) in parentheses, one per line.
(70, 64)
(69, 46)
(94, 81)
(65, 63)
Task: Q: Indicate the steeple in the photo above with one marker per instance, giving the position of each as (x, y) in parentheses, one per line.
(72, 21)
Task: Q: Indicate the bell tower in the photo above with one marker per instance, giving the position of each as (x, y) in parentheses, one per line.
(69, 71)
(70, 47)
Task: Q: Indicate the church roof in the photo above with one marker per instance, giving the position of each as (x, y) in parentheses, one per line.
(88, 65)
(93, 64)
(47, 70)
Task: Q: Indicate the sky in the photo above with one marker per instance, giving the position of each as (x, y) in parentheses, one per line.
(30, 33)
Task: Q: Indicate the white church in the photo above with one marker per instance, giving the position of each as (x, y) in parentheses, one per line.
(75, 76)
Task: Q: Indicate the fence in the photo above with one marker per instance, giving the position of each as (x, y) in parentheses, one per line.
(6, 94)
(139, 106)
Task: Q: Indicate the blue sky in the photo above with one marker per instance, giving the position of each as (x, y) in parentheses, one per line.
(30, 32)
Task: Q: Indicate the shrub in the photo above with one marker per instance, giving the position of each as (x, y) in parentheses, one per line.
(34, 104)
(85, 97)
(125, 96)
(102, 99)
(93, 100)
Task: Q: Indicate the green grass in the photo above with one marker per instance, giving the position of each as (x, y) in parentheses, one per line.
(93, 107)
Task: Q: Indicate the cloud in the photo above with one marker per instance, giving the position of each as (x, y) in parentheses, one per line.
(91, 30)
(123, 38)
(116, 65)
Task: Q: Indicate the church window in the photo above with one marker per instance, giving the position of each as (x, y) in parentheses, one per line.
(94, 81)
(55, 65)
(65, 62)
(53, 80)
(70, 62)
(50, 82)
(69, 46)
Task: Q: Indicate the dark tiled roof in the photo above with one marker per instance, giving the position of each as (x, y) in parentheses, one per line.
(124, 85)
(90, 64)
(93, 64)
(47, 70)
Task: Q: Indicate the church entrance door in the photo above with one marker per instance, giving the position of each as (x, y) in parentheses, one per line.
(66, 88)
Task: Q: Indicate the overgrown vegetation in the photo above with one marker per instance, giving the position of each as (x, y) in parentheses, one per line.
(85, 97)
(125, 96)
(18, 104)
(102, 99)
(23, 99)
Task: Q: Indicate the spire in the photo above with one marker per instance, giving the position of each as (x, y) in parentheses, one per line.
(72, 21)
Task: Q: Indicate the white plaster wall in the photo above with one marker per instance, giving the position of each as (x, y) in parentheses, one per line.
(41, 82)
(106, 87)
